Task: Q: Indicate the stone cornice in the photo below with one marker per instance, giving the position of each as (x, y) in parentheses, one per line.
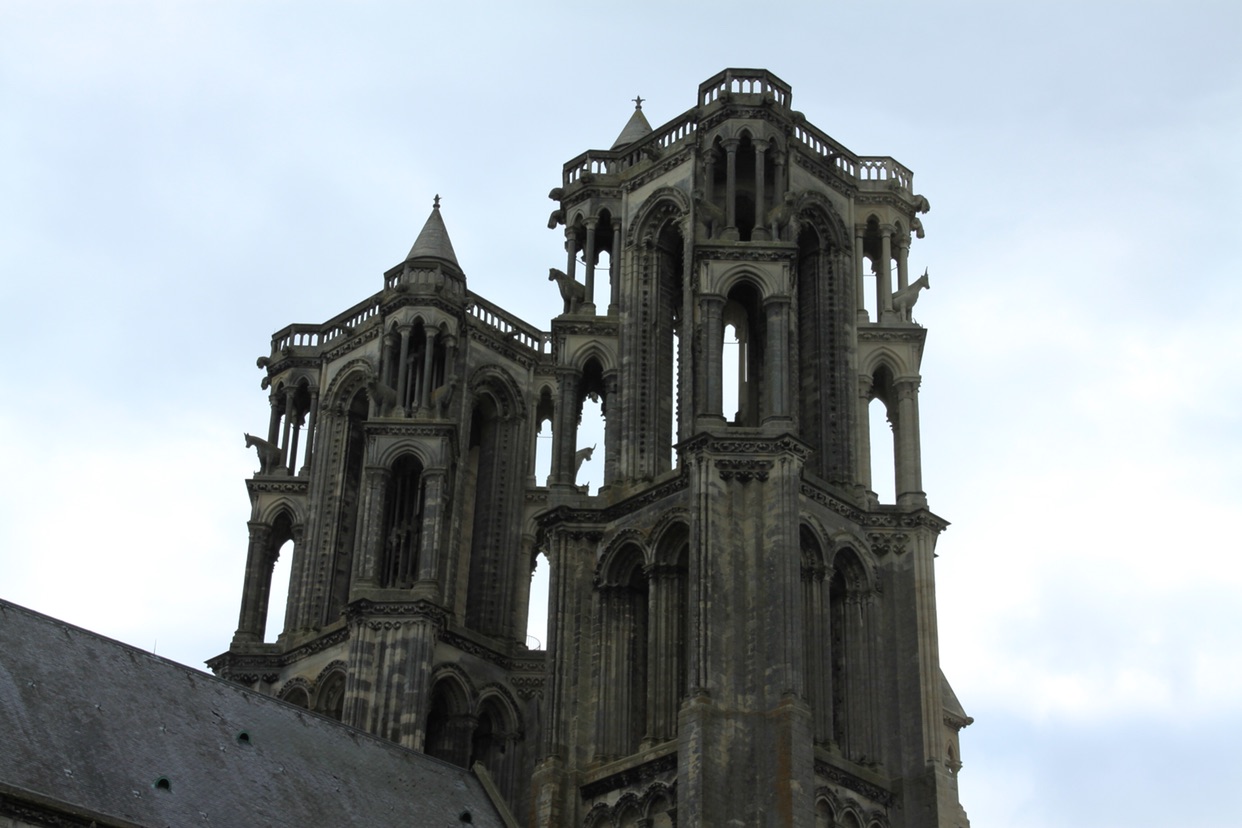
(282, 484)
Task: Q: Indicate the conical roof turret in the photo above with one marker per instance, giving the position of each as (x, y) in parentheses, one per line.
(636, 128)
(433, 242)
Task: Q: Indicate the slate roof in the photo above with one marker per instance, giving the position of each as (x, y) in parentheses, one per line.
(89, 727)
(433, 241)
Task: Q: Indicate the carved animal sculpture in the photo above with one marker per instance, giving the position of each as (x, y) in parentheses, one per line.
(556, 193)
(904, 299)
(269, 455)
(442, 396)
(921, 204)
(917, 226)
(557, 217)
(709, 214)
(263, 362)
(384, 397)
(781, 215)
(573, 293)
(581, 456)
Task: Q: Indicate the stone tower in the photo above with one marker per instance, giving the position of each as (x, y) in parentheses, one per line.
(740, 631)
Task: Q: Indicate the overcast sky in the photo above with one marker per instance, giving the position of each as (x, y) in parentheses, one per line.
(179, 180)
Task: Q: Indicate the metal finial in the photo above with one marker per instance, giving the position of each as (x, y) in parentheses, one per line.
(435, 205)
(638, 102)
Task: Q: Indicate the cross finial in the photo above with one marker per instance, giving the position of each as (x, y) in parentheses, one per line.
(435, 205)
(638, 102)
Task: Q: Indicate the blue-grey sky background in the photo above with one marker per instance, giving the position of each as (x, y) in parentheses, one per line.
(180, 179)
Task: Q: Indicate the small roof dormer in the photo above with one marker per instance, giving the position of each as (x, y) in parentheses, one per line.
(636, 128)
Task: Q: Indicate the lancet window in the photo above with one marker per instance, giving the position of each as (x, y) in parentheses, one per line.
(852, 659)
(623, 602)
(494, 472)
(348, 485)
(403, 524)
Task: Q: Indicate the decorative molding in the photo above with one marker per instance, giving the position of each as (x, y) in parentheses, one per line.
(743, 471)
(474, 648)
(849, 781)
(280, 484)
(630, 777)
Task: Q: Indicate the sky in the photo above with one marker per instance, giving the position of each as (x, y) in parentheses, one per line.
(180, 179)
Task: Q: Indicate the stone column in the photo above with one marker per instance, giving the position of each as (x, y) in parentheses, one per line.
(259, 562)
(760, 230)
(730, 231)
(565, 432)
(273, 423)
(883, 276)
(860, 280)
(903, 250)
(403, 371)
(430, 552)
(612, 427)
(614, 270)
(589, 255)
(285, 459)
(293, 446)
(776, 357)
(664, 659)
(712, 310)
(709, 174)
(428, 356)
(778, 186)
(369, 539)
(571, 248)
(909, 472)
(310, 430)
(863, 474)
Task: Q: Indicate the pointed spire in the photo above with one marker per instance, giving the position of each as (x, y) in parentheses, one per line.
(433, 242)
(637, 127)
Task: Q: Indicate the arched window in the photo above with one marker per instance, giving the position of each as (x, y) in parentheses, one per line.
(403, 524)
(537, 604)
(494, 472)
(851, 657)
(349, 484)
(276, 590)
(816, 636)
(449, 725)
(330, 697)
(667, 314)
(668, 596)
(623, 655)
(882, 432)
(294, 692)
(743, 313)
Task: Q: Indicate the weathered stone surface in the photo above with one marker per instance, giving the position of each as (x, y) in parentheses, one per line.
(740, 630)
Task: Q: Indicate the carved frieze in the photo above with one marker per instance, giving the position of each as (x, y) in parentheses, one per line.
(634, 777)
(850, 782)
(743, 471)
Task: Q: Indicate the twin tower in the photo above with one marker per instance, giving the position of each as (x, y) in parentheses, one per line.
(741, 631)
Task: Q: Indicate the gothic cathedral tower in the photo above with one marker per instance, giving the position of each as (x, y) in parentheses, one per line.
(741, 631)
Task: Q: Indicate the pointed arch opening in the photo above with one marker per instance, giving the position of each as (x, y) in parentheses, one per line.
(401, 537)
(623, 603)
(449, 723)
(743, 314)
(276, 591)
(882, 434)
(537, 603)
(348, 490)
